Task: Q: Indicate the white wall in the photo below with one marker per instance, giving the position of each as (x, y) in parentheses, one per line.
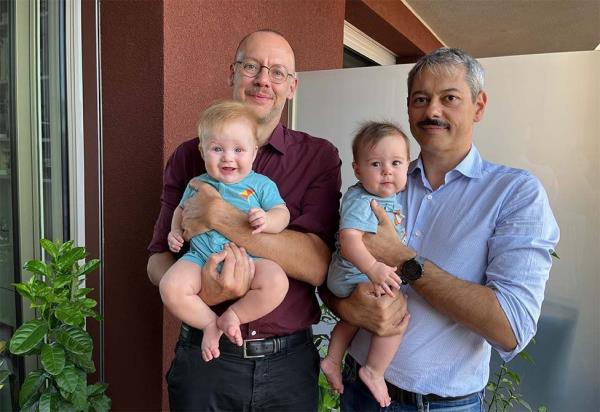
(543, 115)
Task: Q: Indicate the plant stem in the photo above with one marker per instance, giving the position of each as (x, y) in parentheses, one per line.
(500, 375)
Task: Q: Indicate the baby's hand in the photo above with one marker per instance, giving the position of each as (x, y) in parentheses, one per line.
(384, 278)
(257, 219)
(175, 240)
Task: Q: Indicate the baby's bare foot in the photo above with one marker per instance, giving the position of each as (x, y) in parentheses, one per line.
(332, 372)
(210, 342)
(229, 323)
(376, 384)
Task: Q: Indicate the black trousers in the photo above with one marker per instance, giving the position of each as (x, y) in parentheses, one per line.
(284, 381)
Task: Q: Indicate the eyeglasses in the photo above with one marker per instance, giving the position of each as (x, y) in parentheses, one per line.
(277, 73)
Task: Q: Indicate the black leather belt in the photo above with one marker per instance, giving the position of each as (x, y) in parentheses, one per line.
(410, 398)
(406, 397)
(251, 348)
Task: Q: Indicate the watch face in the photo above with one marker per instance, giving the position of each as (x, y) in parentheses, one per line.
(411, 270)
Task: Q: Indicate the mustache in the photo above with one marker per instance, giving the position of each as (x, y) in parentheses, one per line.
(433, 122)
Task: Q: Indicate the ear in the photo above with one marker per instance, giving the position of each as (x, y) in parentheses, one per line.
(231, 74)
(356, 170)
(480, 104)
(292, 91)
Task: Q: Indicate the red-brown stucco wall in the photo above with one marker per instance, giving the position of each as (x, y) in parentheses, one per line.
(132, 143)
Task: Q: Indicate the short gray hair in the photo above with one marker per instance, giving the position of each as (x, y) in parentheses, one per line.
(444, 59)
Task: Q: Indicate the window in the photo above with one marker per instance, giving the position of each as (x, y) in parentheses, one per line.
(360, 50)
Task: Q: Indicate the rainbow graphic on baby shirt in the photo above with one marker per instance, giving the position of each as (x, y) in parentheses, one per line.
(247, 193)
(398, 217)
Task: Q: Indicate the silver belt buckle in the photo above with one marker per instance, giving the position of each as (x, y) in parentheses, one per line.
(246, 356)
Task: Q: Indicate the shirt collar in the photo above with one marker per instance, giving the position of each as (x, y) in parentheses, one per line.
(277, 139)
(471, 166)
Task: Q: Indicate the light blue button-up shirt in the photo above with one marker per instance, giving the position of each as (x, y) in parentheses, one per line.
(487, 224)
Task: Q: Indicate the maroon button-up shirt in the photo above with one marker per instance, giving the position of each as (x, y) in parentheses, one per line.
(306, 170)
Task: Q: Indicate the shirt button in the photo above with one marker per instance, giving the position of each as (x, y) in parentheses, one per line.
(418, 233)
(253, 333)
(429, 197)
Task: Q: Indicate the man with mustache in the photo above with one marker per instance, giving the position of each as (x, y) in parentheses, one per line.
(480, 238)
(277, 367)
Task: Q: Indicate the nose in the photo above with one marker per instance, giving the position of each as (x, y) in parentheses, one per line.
(387, 170)
(262, 77)
(434, 108)
(227, 155)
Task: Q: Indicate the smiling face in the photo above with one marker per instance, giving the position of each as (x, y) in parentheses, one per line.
(382, 168)
(442, 113)
(230, 150)
(265, 98)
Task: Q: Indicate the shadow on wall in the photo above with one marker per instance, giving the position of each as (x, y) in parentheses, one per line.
(541, 381)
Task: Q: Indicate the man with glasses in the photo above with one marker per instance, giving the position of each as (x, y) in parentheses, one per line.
(277, 367)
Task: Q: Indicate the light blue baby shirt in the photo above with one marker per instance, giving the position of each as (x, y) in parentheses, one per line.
(488, 224)
(255, 190)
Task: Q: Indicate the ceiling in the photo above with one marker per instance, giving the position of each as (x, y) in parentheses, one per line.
(487, 28)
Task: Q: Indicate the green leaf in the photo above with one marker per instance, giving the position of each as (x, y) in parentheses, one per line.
(88, 267)
(542, 409)
(79, 398)
(4, 374)
(28, 336)
(45, 403)
(61, 281)
(24, 290)
(53, 359)
(69, 380)
(525, 404)
(514, 376)
(49, 247)
(526, 356)
(74, 339)
(29, 390)
(68, 259)
(65, 247)
(96, 389)
(85, 361)
(554, 254)
(37, 267)
(65, 406)
(30, 407)
(69, 313)
(101, 403)
(83, 291)
(89, 303)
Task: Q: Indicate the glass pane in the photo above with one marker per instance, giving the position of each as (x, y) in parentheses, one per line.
(52, 113)
(8, 320)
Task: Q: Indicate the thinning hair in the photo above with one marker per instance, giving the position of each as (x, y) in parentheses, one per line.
(370, 133)
(240, 46)
(222, 112)
(445, 60)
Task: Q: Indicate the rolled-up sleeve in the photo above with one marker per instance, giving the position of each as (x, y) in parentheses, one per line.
(520, 258)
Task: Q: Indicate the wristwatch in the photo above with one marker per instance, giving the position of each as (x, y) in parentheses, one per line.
(412, 269)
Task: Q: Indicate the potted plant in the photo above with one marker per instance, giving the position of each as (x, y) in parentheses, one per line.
(57, 335)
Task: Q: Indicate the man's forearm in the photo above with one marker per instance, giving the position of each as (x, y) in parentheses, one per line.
(303, 256)
(472, 305)
(158, 264)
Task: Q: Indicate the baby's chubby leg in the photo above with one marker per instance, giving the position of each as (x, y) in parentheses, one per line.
(381, 353)
(341, 336)
(268, 288)
(179, 289)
